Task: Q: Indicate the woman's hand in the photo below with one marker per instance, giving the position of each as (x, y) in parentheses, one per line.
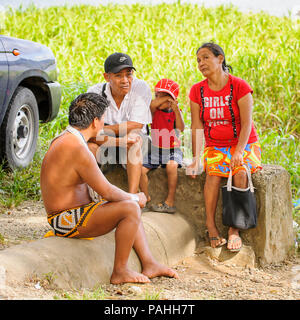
(236, 160)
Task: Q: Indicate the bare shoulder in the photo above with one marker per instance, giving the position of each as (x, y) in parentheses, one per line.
(67, 142)
(66, 147)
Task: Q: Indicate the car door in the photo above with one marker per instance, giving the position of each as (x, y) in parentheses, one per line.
(3, 78)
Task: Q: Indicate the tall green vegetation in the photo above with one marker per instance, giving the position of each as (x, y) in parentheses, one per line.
(162, 40)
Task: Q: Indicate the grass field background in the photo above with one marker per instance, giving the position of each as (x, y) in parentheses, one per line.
(162, 41)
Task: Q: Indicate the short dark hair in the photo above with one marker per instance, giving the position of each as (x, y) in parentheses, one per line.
(216, 50)
(85, 108)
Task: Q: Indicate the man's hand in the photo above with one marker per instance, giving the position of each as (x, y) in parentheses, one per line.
(130, 139)
(143, 200)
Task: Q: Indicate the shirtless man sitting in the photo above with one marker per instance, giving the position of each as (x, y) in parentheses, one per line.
(67, 170)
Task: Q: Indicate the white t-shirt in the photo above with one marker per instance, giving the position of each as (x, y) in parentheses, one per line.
(135, 106)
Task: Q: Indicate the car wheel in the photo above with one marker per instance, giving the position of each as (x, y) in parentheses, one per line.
(19, 130)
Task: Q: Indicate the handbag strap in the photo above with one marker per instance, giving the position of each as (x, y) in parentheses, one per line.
(250, 184)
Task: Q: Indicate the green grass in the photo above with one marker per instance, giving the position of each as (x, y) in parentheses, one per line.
(19, 185)
(162, 41)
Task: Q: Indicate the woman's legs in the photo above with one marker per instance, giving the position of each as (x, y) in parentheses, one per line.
(240, 180)
(211, 195)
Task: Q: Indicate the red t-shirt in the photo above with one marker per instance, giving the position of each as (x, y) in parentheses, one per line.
(217, 118)
(163, 132)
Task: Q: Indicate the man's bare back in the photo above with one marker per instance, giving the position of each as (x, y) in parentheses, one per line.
(62, 187)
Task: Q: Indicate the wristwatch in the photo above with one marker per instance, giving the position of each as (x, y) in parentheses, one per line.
(134, 197)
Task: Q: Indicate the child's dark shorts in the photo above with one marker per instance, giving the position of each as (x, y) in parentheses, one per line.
(160, 157)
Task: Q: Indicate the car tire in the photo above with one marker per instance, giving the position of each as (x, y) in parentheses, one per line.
(19, 129)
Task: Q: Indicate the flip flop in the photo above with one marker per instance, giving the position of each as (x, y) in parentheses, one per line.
(232, 242)
(218, 238)
(163, 207)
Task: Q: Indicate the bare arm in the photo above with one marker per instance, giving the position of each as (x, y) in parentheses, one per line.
(178, 116)
(107, 140)
(197, 130)
(157, 102)
(122, 128)
(197, 138)
(245, 106)
(110, 141)
(87, 168)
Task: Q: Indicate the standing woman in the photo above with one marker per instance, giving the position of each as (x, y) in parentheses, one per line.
(221, 107)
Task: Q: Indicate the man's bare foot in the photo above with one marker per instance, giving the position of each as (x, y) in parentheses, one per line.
(126, 275)
(155, 269)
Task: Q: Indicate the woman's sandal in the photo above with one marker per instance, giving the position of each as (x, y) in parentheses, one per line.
(232, 242)
(222, 243)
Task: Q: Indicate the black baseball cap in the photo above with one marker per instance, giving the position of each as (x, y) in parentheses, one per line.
(116, 62)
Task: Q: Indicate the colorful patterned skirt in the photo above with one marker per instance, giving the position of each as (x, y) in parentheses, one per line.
(217, 159)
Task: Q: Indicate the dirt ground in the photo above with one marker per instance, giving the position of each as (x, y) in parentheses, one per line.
(200, 276)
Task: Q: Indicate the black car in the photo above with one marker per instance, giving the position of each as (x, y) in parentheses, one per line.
(29, 92)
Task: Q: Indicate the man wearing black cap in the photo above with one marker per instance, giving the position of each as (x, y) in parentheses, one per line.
(125, 119)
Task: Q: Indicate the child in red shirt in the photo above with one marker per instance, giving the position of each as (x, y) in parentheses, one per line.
(165, 151)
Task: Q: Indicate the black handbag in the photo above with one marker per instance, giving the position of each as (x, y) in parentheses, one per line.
(239, 205)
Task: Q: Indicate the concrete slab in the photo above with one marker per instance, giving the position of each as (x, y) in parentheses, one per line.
(79, 263)
(272, 240)
(74, 263)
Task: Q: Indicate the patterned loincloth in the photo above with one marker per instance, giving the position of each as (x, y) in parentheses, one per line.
(217, 159)
(65, 223)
